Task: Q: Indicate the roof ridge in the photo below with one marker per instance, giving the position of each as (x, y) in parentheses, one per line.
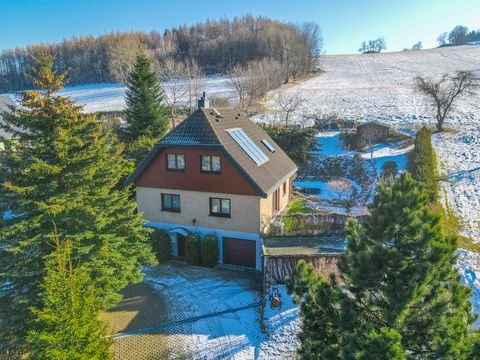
(211, 127)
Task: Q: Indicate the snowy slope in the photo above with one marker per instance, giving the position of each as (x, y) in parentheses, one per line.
(380, 87)
(108, 97)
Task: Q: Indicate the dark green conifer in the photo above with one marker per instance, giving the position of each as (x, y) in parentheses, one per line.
(65, 169)
(66, 326)
(401, 292)
(145, 115)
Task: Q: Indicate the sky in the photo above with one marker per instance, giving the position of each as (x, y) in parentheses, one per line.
(344, 23)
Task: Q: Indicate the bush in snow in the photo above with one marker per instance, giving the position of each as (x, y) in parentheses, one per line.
(192, 249)
(160, 242)
(389, 171)
(210, 250)
(296, 142)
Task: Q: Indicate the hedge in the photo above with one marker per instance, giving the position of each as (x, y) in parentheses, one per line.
(422, 163)
(160, 242)
(210, 250)
(192, 249)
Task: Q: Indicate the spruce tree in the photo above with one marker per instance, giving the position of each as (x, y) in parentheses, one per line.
(400, 292)
(145, 115)
(66, 169)
(66, 326)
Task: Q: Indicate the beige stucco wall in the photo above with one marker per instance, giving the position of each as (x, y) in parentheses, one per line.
(266, 205)
(245, 215)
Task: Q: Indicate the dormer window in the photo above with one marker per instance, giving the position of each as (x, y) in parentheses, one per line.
(175, 162)
(210, 164)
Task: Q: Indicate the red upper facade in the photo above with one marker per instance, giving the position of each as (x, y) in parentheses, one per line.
(228, 181)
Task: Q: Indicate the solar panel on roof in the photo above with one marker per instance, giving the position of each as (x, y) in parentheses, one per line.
(268, 145)
(244, 141)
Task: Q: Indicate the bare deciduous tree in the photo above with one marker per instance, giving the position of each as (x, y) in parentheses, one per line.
(238, 78)
(373, 46)
(458, 35)
(195, 83)
(251, 82)
(417, 46)
(442, 39)
(216, 44)
(340, 186)
(174, 80)
(442, 93)
(289, 103)
(124, 54)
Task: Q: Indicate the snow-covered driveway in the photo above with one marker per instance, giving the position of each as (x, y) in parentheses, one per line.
(208, 314)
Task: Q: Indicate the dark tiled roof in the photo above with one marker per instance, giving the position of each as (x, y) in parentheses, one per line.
(267, 176)
(208, 127)
(194, 130)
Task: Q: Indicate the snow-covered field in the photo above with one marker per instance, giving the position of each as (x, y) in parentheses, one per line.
(380, 87)
(108, 97)
(469, 266)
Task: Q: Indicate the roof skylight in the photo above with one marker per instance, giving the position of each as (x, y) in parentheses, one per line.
(268, 145)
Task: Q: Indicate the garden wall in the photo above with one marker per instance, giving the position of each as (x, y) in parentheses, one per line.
(278, 267)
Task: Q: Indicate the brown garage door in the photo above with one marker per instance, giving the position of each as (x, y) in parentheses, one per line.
(239, 252)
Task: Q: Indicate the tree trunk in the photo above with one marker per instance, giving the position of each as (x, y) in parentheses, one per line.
(439, 124)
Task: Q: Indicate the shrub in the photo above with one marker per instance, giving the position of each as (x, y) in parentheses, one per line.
(421, 163)
(210, 250)
(192, 249)
(351, 141)
(296, 142)
(160, 242)
(389, 172)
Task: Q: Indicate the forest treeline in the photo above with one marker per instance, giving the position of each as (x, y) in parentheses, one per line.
(216, 45)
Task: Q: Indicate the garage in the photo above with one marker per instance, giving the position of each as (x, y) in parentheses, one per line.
(239, 252)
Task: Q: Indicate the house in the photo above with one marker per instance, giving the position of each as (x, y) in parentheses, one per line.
(373, 131)
(216, 172)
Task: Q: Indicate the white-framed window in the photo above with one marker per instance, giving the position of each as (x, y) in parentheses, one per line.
(210, 164)
(220, 207)
(176, 162)
(171, 202)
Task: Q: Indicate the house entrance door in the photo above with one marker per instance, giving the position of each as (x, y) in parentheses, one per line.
(180, 245)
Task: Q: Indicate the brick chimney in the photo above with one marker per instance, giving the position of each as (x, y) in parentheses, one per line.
(203, 102)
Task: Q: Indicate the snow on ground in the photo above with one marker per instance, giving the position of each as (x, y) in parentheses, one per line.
(109, 97)
(382, 153)
(380, 87)
(458, 155)
(331, 144)
(217, 313)
(331, 147)
(323, 190)
(469, 266)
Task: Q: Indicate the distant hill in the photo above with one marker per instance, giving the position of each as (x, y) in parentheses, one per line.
(216, 46)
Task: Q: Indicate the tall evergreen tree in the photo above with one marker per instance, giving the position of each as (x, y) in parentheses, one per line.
(401, 291)
(65, 169)
(145, 115)
(67, 324)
